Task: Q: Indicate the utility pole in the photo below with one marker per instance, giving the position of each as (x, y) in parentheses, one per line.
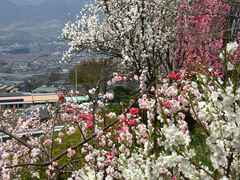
(76, 78)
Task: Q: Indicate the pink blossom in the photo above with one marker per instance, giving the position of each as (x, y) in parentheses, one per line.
(88, 157)
(48, 173)
(109, 83)
(90, 124)
(54, 164)
(71, 130)
(5, 156)
(100, 165)
(109, 96)
(144, 96)
(61, 134)
(100, 104)
(118, 78)
(110, 143)
(71, 153)
(102, 143)
(122, 79)
(106, 116)
(47, 142)
(69, 110)
(125, 120)
(136, 77)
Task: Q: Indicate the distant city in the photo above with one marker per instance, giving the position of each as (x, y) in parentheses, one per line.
(31, 46)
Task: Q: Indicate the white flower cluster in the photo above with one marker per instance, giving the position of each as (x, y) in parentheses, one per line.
(141, 166)
(174, 137)
(231, 47)
(132, 30)
(222, 113)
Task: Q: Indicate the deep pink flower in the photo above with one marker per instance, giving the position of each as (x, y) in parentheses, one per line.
(125, 120)
(134, 111)
(108, 154)
(54, 164)
(61, 96)
(166, 104)
(132, 122)
(69, 110)
(90, 125)
(106, 116)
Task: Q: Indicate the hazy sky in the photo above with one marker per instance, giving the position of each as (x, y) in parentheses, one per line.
(25, 2)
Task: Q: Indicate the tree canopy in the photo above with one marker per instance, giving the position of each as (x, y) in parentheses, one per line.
(90, 71)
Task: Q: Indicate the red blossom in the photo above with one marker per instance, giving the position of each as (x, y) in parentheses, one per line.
(134, 111)
(122, 79)
(108, 154)
(125, 120)
(61, 96)
(174, 76)
(107, 130)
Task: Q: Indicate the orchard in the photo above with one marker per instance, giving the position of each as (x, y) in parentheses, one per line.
(183, 123)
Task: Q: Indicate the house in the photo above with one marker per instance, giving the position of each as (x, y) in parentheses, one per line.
(9, 88)
(45, 89)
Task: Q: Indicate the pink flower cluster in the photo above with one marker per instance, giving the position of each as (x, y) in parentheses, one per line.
(87, 118)
(201, 35)
(134, 111)
(71, 153)
(109, 96)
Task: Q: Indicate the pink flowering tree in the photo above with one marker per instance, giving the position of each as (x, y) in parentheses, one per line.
(201, 32)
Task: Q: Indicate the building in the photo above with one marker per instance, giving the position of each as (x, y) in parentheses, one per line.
(45, 89)
(9, 89)
(22, 101)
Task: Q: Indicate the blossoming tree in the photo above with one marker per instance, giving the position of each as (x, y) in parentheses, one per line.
(125, 146)
(139, 32)
(154, 137)
(205, 27)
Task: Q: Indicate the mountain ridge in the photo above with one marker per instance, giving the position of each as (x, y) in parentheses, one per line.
(45, 17)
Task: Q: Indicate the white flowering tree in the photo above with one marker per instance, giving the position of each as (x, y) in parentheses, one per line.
(138, 32)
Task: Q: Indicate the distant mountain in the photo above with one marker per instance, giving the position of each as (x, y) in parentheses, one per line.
(8, 12)
(43, 17)
(19, 37)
